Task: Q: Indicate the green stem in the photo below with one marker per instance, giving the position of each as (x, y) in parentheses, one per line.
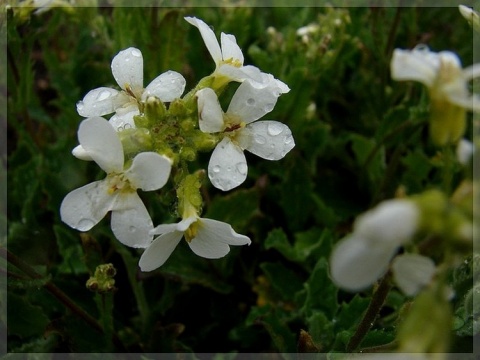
(371, 314)
(57, 293)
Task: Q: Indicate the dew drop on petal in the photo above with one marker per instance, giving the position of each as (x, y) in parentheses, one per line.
(259, 139)
(274, 129)
(85, 224)
(132, 229)
(251, 102)
(80, 106)
(105, 94)
(136, 52)
(216, 169)
(242, 168)
(289, 139)
(268, 108)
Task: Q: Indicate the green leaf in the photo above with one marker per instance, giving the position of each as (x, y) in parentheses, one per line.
(321, 329)
(69, 245)
(286, 282)
(351, 313)
(321, 293)
(25, 319)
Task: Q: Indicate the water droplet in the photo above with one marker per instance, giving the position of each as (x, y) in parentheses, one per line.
(132, 229)
(229, 168)
(136, 52)
(268, 107)
(289, 139)
(80, 106)
(251, 102)
(259, 139)
(85, 224)
(242, 168)
(216, 169)
(105, 94)
(274, 129)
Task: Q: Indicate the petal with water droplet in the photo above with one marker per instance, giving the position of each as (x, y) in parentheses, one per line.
(99, 139)
(242, 106)
(122, 121)
(268, 139)
(223, 159)
(210, 113)
(127, 69)
(149, 171)
(131, 224)
(84, 207)
(97, 102)
(167, 87)
(208, 37)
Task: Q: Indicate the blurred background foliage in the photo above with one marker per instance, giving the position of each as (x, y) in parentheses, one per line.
(360, 138)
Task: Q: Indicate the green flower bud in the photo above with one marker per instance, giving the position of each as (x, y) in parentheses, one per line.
(155, 112)
(447, 122)
(135, 141)
(102, 281)
(432, 205)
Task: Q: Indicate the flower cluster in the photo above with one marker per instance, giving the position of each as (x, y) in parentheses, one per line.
(153, 136)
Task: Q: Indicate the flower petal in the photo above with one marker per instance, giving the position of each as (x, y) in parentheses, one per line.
(250, 103)
(355, 265)
(97, 102)
(270, 140)
(392, 221)
(227, 167)
(149, 171)
(167, 86)
(159, 251)
(99, 139)
(122, 121)
(416, 65)
(213, 239)
(131, 224)
(127, 69)
(230, 49)
(208, 37)
(412, 272)
(210, 114)
(84, 207)
(80, 153)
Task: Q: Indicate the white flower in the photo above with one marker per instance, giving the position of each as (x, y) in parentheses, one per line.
(207, 238)
(268, 139)
(440, 72)
(127, 69)
(465, 150)
(470, 15)
(412, 272)
(360, 259)
(229, 57)
(85, 207)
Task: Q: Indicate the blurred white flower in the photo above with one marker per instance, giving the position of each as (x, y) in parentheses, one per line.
(229, 57)
(440, 72)
(207, 238)
(127, 69)
(470, 15)
(412, 272)
(363, 257)
(84, 207)
(268, 139)
(465, 150)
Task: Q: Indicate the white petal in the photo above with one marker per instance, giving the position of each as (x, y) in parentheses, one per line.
(159, 251)
(227, 167)
(233, 73)
(80, 153)
(167, 87)
(99, 139)
(131, 224)
(355, 265)
(185, 223)
(208, 37)
(464, 151)
(471, 72)
(270, 140)
(251, 103)
(149, 171)
(213, 239)
(97, 102)
(210, 114)
(122, 121)
(230, 49)
(416, 65)
(392, 221)
(84, 207)
(127, 69)
(412, 272)
(164, 229)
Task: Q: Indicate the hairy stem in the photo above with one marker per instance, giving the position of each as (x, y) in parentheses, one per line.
(371, 314)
